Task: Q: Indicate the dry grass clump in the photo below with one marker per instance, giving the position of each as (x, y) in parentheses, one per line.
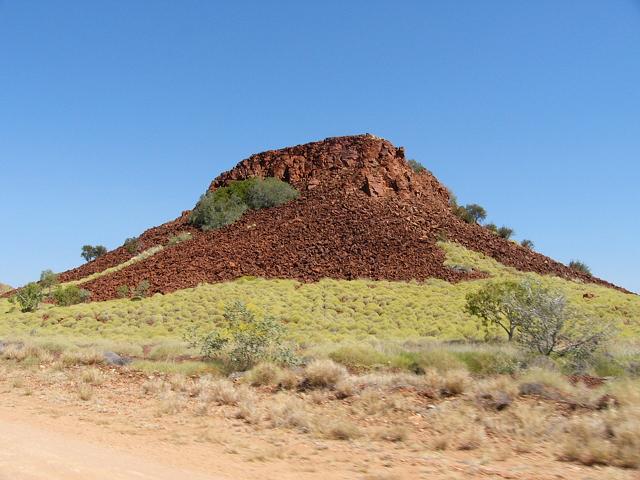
(153, 386)
(170, 403)
(71, 358)
(459, 427)
(178, 383)
(324, 373)
(289, 412)
(85, 391)
(527, 424)
(248, 411)
(288, 380)
(92, 376)
(454, 382)
(340, 429)
(223, 392)
(14, 352)
(27, 353)
(264, 374)
(396, 433)
(609, 438)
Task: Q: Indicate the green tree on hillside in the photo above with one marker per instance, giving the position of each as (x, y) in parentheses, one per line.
(90, 252)
(48, 280)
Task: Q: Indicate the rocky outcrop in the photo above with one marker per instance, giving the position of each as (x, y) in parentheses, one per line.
(362, 213)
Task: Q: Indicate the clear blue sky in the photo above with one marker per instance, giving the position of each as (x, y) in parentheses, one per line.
(115, 116)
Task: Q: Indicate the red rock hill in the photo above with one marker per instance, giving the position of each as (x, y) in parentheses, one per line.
(362, 213)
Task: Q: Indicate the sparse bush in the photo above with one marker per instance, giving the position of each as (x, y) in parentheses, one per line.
(324, 373)
(245, 339)
(579, 266)
(416, 166)
(548, 326)
(90, 252)
(29, 297)
(131, 244)
(492, 226)
(122, 291)
(227, 204)
(505, 232)
(527, 244)
(141, 290)
(70, 295)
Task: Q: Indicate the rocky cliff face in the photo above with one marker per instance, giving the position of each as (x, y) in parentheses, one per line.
(363, 162)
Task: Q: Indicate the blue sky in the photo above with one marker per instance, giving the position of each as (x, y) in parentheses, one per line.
(115, 116)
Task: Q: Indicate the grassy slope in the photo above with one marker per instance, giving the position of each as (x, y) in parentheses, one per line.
(329, 310)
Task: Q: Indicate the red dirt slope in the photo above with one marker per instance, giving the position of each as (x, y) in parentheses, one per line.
(362, 213)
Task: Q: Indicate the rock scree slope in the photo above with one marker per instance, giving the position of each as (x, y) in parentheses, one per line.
(362, 213)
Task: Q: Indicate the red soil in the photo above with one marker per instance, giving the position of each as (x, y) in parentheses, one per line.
(362, 213)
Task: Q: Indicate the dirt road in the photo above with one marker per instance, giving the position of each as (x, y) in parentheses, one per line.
(34, 453)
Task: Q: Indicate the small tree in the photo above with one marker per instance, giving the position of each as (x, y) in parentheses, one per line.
(475, 212)
(579, 266)
(48, 280)
(491, 305)
(549, 326)
(416, 166)
(90, 252)
(29, 297)
(492, 226)
(527, 244)
(505, 232)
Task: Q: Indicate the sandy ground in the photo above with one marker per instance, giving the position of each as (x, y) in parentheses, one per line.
(46, 432)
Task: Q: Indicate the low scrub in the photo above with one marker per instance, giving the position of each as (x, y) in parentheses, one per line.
(70, 295)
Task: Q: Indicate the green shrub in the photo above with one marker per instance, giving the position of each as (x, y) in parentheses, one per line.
(29, 297)
(131, 244)
(70, 295)
(227, 204)
(213, 212)
(579, 266)
(416, 166)
(268, 193)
